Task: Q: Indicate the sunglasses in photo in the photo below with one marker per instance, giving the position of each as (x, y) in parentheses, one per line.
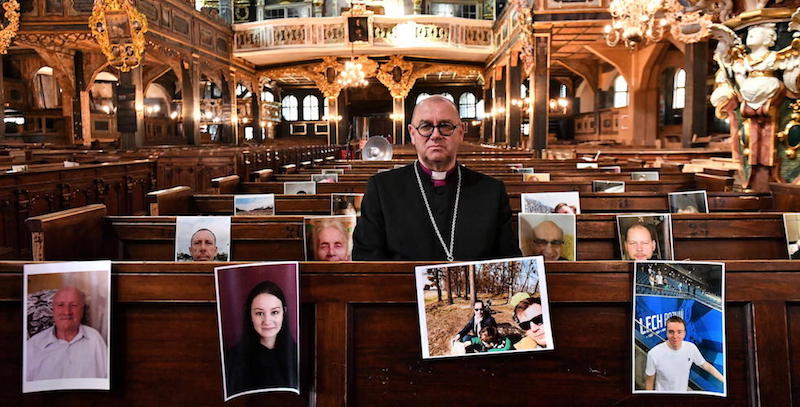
(537, 320)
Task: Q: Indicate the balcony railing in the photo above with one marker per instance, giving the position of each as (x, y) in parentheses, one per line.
(418, 31)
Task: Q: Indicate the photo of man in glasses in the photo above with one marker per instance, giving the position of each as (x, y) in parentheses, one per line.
(480, 319)
(528, 316)
(551, 236)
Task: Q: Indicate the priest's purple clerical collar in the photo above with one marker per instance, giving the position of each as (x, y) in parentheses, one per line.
(439, 178)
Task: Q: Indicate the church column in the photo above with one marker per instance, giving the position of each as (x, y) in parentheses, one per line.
(190, 92)
(80, 85)
(514, 105)
(539, 88)
(343, 125)
(499, 106)
(694, 109)
(130, 109)
(398, 120)
(3, 100)
(255, 113)
(228, 122)
(333, 121)
(486, 131)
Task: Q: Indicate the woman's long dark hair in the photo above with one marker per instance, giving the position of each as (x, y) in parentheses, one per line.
(249, 336)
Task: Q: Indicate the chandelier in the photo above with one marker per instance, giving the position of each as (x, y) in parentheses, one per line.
(636, 21)
(353, 75)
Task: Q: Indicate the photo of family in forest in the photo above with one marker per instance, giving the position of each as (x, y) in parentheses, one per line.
(474, 308)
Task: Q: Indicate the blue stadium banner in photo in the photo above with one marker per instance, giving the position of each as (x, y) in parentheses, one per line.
(703, 328)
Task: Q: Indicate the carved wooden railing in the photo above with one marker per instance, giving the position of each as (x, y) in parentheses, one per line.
(330, 32)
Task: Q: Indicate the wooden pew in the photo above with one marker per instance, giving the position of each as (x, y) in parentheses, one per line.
(786, 196)
(737, 235)
(360, 345)
(210, 204)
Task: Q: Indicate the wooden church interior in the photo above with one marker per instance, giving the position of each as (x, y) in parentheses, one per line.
(109, 135)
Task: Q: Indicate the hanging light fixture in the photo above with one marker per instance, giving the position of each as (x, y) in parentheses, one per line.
(634, 22)
(353, 75)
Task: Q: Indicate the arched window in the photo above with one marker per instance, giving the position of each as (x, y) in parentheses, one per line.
(620, 92)
(562, 91)
(448, 96)
(466, 105)
(679, 90)
(290, 108)
(267, 95)
(242, 91)
(422, 96)
(310, 108)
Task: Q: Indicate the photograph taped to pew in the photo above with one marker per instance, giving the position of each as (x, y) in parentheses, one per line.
(299, 188)
(325, 178)
(254, 205)
(202, 238)
(485, 307)
(645, 176)
(258, 319)
(645, 236)
(549, 235)
(537, 177)
(329, 238)
(614, 168)
(608, 186)
(551, 202)
(791, 223)
(346, 204)
(688, 202)
(581, 166)
(66, 326)
(678, 341)
(521, 170)
(333, 170)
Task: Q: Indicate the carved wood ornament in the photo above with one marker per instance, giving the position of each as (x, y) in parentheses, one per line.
(7, 33)
(119, 30)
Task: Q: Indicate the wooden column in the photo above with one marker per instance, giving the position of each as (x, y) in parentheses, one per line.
(486, 131)
(255, 112)
(539, 85)
(80, 85)
(398, 124)
(190, 93)
(500, 109)
(3, 100)
(694, 109)
(130, 109)
(333, 131)
(513, 113)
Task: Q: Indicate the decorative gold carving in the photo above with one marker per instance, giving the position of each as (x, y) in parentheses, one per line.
(325, 75)
(783, 136)
(396, 75)
(119, 30)
(689, 25)
(11, 13)
(524, 19)
(61, 43)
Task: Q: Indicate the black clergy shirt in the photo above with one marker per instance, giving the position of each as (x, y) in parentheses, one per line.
(394, 224)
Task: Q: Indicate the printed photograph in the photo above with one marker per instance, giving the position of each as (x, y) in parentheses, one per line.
(329, 238)
(300, 188)
(678, 341)
(520, 170)
(481, 308)
(346, 204)
(608, 186)
(791, 223)
(333, 170)
(537, 177)
(549, 235)
(202, 238)
(613, 168)
(581, 166)
(325, 178)
(254, 205)
(258, 322)
(66, 326)
(551, 202)
(688, 202)
(644, 176)
(645, 237)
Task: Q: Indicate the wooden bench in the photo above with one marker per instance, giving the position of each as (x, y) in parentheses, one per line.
(360, 346)
(736, 235)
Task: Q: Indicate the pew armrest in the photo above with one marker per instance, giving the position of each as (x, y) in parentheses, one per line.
(786, 197)
(170, 201)
(72, 234)
(225, 185)
(262, 175)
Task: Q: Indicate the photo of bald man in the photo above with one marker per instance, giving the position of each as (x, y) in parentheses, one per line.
(551, 236)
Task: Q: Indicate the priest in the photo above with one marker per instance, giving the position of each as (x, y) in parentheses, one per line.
(434, 209)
